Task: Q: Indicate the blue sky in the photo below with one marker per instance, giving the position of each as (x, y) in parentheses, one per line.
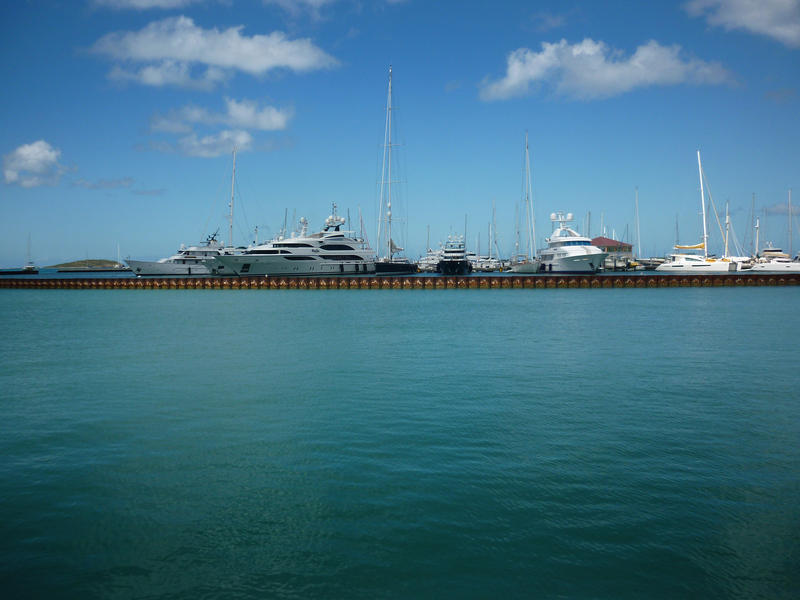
(118, 118)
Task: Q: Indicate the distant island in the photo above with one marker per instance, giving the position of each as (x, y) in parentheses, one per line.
(95, 264)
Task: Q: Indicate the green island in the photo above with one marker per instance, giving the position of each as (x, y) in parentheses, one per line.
(89, 264)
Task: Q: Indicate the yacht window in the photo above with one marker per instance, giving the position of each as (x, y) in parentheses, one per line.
(292, 245)
(245, 268)
(337, 247)
(300, 257)
(341, 257)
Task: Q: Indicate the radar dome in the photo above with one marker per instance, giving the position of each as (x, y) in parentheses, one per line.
(552, 216)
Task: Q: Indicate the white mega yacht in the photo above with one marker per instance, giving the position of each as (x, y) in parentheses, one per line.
(327, 252)
(568, 251)
(775, 260)
(193, 260)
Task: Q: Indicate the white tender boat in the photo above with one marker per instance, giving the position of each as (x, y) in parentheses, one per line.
(331, 251)
(568, 251)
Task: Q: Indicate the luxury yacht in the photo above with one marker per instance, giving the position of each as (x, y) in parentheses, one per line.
(774, 260)
(567, 251)
(454, 258)
(328, 252)
(193, 260)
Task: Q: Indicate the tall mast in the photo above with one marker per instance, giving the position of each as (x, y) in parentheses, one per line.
(386, 174)
(703, 204)
(757, 227)
(230, 216)
(529, 208)
(638, 238)
(727, 227)
(790, 223)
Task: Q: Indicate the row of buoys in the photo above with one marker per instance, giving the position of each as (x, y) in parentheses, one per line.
(425, 282)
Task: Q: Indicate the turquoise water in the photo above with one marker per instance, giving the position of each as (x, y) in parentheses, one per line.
(400, 444)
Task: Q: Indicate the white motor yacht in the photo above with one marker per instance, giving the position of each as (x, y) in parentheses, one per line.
(193, 260)
(568, 251)
(774, 260)
(331, 251)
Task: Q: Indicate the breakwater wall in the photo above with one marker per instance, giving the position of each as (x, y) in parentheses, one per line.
(416, 283)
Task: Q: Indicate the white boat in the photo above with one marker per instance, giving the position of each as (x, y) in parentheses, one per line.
(430, 261)
(193, 260)
(331, 251)
(529, 263)
(568, 251)
(682, 262)
(454, 257)
(774, 260)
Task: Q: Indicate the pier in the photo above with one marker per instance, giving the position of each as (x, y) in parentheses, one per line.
(434, 282)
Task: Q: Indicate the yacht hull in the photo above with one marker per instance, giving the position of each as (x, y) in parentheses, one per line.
(279, 265)
(527, 267)
(776, 267)
(144, 267)
(395, 268)
(454, 267)
(576, 263)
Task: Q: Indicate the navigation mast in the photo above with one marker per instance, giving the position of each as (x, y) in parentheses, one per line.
(230, 215)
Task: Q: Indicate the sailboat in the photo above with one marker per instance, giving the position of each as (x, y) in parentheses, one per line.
(528, 264)
(682, 262)
(28, 269)
(389, 263)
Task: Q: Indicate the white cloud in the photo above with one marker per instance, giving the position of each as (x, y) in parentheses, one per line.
(144, 4)
(778, 19)
(32, 165)
(169, 72)
(240, 114)
(591, 69)
(217, 144)
(171, 47)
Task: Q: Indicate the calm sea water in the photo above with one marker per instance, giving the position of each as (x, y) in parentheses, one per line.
(400, 444)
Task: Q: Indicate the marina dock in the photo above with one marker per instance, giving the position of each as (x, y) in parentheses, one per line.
(434, 282)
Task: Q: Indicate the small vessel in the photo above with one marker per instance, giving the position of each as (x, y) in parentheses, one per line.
(331, 251)
(775, 260)
(529, 263)
(193, 260)
(568, 251)
(682, 262)
(430, 262)
(454, 257)
(389, 263)
(28, 269)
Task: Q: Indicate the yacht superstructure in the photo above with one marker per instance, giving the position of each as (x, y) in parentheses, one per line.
(331, 251)
(568, 251)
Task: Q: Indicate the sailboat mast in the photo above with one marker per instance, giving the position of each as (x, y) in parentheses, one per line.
(790, 223)
(230, 215)
(703, 205)
(757, 228)
(638, 237)
(727, 227)
(529, 208)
